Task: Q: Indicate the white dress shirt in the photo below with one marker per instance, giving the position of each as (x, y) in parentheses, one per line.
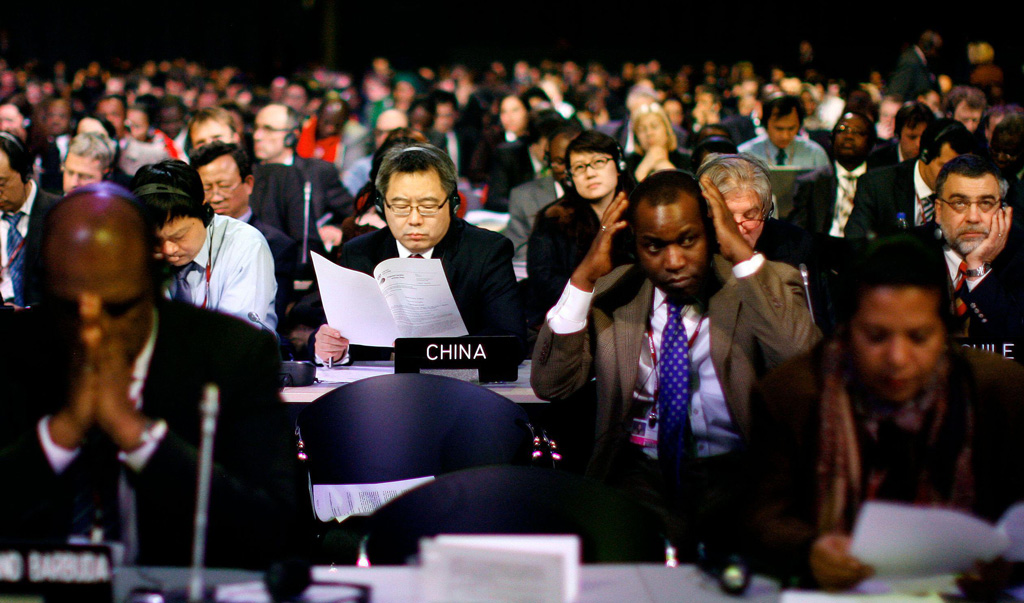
(846, 188)
(241, 272)
(712, 425)
(921, 191)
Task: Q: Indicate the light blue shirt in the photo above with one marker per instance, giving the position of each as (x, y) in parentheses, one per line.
(801, 153)
(241, 272)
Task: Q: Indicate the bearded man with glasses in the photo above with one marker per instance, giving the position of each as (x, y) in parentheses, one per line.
(417, 196)
(974, 230)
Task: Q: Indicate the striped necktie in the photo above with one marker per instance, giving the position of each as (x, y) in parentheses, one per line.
(958, 302)
(928, 209)
(673, 395)
(16, 256)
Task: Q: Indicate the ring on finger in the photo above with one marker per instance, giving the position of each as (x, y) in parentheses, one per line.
(604, 228)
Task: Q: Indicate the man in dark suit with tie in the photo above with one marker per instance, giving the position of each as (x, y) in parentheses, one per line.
(24, 206)
(911, 121)
(907, 188)
(418, 198)
(228, 183)
(912, 78)
(817, 192)
(100, 423)
(277, 132)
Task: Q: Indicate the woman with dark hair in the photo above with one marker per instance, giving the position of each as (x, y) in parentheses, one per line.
(564, 230)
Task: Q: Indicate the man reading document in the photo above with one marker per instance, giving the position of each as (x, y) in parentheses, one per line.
(418, 197)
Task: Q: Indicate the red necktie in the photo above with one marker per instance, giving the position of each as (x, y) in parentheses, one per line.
(958, 304)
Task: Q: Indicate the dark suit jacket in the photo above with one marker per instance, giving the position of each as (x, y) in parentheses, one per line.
(284, 250)
(756, 323)
(478, 266)
(33, 245)
(510, 166)
(785, 448)
(885, 155)
(253, 492)
(329, 194)
(911, 78)
(741, 128)
(278, 200)
(789, 244)
(814, 200)
(881, 194)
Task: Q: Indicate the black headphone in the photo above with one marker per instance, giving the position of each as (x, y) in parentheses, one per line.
(157, 188)
(454, 200)
(291, 139)
(620, 163)
(927, 150)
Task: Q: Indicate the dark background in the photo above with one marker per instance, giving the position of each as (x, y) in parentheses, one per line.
(290, 34)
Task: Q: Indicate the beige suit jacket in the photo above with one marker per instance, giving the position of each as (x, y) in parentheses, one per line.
(756, 323)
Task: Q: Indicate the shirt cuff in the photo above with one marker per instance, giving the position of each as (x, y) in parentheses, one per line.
(748, 267)
(569, 315)
(137, 459)
(58, 457)
(971, 284)
(345, 359)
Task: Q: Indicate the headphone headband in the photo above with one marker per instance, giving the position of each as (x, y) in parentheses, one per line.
(14, 139)
(156, 188)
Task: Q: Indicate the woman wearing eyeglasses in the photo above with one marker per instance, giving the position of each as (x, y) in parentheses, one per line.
(657, 147)
(564, 230)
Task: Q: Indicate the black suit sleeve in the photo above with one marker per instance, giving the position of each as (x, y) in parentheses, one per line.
(865, 216)
(501, 308)
(803, 199)
(996, 304)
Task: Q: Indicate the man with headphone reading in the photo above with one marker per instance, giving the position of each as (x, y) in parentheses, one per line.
(418, 198)
(218, 263)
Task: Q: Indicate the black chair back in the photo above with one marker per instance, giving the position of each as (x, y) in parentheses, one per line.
(517, 500)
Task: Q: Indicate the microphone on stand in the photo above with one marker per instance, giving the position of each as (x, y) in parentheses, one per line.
(209, 408)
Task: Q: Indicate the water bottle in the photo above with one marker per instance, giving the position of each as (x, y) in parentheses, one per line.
(901, 221)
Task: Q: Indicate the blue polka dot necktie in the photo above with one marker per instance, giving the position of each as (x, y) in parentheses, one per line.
(15, 257)
(673, 394)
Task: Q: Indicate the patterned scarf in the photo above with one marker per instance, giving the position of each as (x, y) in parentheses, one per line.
(846, 478)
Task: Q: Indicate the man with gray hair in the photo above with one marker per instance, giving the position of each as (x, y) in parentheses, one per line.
(89, 160)
(418, 198)
(744, 182)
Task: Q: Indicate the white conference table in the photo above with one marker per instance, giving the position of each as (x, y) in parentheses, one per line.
(600, 583)
(518, 391)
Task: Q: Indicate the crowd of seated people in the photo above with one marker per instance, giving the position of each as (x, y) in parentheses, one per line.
(705, 251)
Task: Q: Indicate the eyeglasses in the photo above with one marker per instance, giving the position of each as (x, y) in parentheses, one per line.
(962, 206)
(403, 210)
(749, 223)
(597, 164)
(851, 130)
(265, 129)
(223, 189)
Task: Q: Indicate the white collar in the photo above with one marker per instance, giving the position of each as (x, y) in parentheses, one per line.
(856, 172)
(920, 186)
(404, 253)
(691, 311)
(141, 366)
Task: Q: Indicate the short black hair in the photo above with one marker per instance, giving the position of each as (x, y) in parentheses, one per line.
(897, 261)
(783, 105)
(910, 115)
(17, 154)
(212, 151)
(163, 207)
(946, 131)
(665, 187)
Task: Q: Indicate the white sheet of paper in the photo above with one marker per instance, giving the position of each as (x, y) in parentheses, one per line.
(341, 501)
(354, 304)
(420, 299)
(348, 374)
(905, 540)
(1012, 524)
(501, 568)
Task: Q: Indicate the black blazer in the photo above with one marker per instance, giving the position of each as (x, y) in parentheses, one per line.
(278, 200)
(254, 489)
(328, 194)
(881, 194)
(284, 250)
(884, 155)
(34, 244)
(814, 200)
(510, 166)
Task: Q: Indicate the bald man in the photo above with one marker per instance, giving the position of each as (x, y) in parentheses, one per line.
(101, 406)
